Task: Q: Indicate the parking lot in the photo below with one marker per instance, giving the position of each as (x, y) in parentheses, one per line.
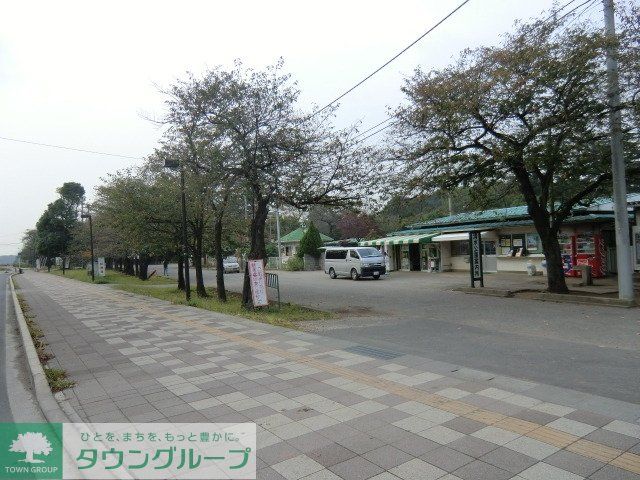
(587, 348)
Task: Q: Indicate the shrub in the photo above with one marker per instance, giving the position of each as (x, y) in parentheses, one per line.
(310, 242)
(294, 264)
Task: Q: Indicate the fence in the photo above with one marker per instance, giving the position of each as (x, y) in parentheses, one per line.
(273, 282)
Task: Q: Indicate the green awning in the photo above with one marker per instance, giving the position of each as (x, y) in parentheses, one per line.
(400, 240)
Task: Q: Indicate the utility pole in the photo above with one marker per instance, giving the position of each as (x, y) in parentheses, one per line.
(623, 249)
(278, 236)
(173, 164)
(278, 226)
(185, 244)
(93, 261)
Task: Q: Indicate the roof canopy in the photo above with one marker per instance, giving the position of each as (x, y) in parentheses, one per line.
(297, 234)
(401, 239)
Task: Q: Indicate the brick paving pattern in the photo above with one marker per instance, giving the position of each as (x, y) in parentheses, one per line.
(322, 412)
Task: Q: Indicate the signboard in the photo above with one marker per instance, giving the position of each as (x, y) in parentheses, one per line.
(102, 269)
(258, 283)
(475, 260)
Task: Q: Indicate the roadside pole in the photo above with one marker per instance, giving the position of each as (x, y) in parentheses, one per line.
(278, 237)
(185, 244)
(623, 248)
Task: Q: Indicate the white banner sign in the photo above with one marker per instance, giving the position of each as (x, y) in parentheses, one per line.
(258, 283)
(102, 269)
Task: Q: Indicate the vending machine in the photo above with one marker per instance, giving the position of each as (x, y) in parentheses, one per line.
(583, 249)
(590, 251)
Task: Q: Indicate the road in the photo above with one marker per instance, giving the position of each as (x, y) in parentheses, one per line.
(5, 409)
(17, 401)
(586, 348)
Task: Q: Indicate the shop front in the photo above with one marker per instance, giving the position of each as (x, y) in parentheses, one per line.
(408, 252)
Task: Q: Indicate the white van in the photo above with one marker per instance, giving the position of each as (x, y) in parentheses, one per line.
(354, 262)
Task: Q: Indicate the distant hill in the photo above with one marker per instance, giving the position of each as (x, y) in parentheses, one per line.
(7, 259)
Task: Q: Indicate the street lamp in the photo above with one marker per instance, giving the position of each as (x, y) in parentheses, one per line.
(93, 263)
(174, 164)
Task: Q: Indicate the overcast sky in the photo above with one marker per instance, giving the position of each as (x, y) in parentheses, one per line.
(85, 74)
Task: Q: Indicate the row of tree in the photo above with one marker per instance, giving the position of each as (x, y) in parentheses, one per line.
(523, 121)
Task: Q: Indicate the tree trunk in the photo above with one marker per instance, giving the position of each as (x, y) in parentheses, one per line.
(197, 263)
(128, 266)
(258, 249)
(143, 267)
(556, 281)
(135, 266)
(180, 272)
(63, 269)
(217, 248)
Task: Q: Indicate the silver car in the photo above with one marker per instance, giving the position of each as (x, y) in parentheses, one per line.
(231, 265)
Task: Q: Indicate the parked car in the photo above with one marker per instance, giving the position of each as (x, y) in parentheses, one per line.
(231, 265)
(354, 262)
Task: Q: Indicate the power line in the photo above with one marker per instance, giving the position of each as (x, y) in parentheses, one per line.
(556, 12)
(62, 147)
(570, 11)
(444, 19)
(375, 126)
(376, 132)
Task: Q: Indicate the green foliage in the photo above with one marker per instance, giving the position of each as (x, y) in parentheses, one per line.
(294, 264)
(54, 229)
(310, 243)
(72, 193)
(272, 250)
(57, 379)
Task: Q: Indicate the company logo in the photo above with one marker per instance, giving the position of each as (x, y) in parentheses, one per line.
(31, 443)
(30, 450)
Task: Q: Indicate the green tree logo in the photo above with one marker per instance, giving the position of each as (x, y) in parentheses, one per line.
(31, 443)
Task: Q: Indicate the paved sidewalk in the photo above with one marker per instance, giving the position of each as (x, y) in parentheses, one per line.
(325, 408)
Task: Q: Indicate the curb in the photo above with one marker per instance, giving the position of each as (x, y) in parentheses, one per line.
(586, 300)
(550, 297)
(56, 409)
(491, 292)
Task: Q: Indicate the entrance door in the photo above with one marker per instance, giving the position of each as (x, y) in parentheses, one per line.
(489, 259)
(414, 257)
(432, 257)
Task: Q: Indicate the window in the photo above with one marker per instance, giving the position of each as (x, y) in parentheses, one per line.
(354, 254)
(489, 247)
(460, 248)
(335, 255)
(512, 245)
(369, 252)
(533, 243)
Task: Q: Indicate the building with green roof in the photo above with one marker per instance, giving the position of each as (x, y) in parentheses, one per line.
(291, 242)
(510, 241)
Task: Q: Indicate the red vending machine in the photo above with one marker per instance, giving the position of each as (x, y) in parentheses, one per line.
(583, 249)
(590, 251)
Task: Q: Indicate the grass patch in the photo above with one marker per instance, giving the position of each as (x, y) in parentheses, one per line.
(57, 379)
(114, 277)
(287, 316)
(35, 331)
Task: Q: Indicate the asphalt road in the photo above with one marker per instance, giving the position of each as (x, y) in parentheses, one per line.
(587, 348)
(5, 408)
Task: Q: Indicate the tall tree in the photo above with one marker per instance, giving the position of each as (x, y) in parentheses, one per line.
(532, 111)
(54, 229)
(72, 193)
(310, 243)
(278, 153)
